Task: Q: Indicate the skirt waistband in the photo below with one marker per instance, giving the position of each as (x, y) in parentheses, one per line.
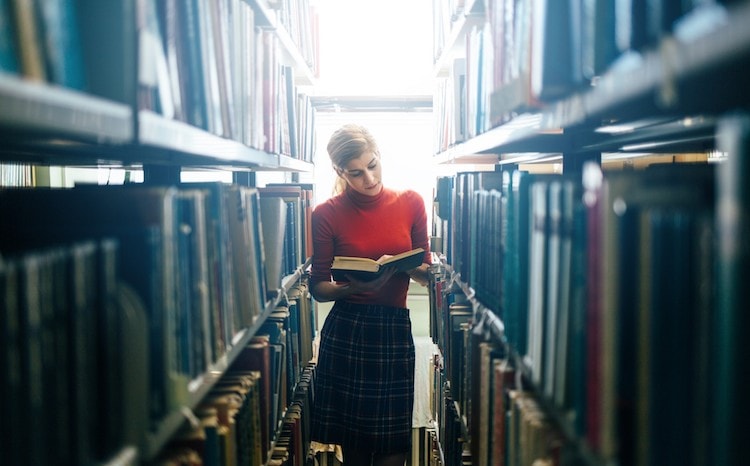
(371, 308)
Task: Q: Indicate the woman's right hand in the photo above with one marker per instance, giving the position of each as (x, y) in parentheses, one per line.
(358, 286)
(330, 291)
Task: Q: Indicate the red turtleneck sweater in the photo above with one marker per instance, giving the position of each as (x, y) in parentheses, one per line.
(353, 224)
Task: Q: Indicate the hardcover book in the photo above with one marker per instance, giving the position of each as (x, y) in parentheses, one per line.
(366, 269)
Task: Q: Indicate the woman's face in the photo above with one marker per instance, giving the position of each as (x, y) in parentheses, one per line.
(363, 174)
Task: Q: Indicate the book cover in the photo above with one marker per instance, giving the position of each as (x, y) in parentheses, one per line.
(244, 228)
(9, 60)
(366, 269)
(307, 200)
(273, 215)
(175, 53)
(190, 69)
(209, 67)
(29, 40)
(134, 360)
(257, 357)
(10, 359)
(154, 82)
(298, 230)
(222, 42)
(58, 26)
(733, 259)
(552, 64)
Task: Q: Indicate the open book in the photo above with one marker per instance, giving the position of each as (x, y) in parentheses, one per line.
(365, 269)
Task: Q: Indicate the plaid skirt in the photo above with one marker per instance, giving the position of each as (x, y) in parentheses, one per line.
(364, 380)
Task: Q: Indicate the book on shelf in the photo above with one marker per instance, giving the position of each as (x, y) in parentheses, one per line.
(63, 362)
(552, 72)
(256, 356)
(305, 192)
(298, 232)
(275, 328)
(733, 261)
(154, 84)
(244, 388)
(649, 272)
(365, 269)
(29, 40)
(9, 59)
(58, 46)
(175, 45)
(247, 254)
(273, 212)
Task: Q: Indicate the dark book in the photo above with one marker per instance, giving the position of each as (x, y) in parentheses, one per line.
(598, 43)
(733, 261)
(257, 357)
(275, 328)
(192, 246)
(345, 268)
(552, 74)
(274, 221)
(143, 220)
(134, 361)
(631, 25)
(222, 303)
(245, 387)
(10, 362)
(502, 380)
(190, 66)
(9, 60)
(58, 26)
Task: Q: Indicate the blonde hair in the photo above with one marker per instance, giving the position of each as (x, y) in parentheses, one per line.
(347, 143)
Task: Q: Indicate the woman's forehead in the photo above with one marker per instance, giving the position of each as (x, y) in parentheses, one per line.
(362, 161)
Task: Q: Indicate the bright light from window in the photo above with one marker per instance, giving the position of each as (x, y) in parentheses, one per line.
(375, 47)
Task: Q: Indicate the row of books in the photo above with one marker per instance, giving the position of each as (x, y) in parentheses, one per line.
(218, 65)
(300, 19)
(193, 256)
(15, 174)
(72, 340)
(450, 323)
(292, 225)
(614, 288)
(485, 413)
(425, 448)
(40, 41)
(214, 65)
(523, 54)
(229, 427)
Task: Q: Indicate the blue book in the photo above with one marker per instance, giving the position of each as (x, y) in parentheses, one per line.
(58, 27)
(8, 49)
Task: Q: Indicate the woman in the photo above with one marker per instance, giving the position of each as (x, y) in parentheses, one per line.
(364, 387)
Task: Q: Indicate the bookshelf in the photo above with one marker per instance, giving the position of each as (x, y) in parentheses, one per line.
(657, 110)
(121, 83)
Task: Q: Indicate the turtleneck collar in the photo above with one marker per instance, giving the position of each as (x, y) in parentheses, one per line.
(363, 200)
